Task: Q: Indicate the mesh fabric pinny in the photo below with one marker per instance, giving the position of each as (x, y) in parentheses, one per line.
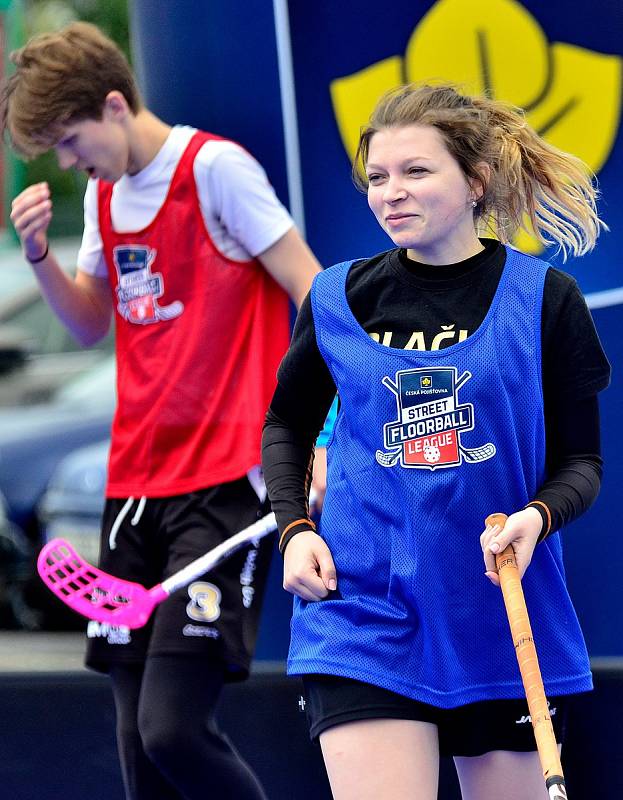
(426, 445)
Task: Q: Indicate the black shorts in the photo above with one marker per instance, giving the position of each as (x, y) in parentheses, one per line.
(217, 615)
(469, 730)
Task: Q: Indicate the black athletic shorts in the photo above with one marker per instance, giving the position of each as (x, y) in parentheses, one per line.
(469, 730)
(217, 615)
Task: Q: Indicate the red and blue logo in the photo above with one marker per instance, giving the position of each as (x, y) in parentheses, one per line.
(138, 288)
(427, 431)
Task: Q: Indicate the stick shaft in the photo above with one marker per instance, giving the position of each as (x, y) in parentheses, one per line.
(527, 659)
(222, 551)
(206, 562)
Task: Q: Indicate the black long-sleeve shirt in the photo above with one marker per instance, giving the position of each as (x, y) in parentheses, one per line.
(403, 303)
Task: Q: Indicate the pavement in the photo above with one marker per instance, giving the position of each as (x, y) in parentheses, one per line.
(41, 652)
(22, 651)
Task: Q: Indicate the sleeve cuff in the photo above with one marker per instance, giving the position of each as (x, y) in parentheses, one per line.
(298, 526)
(545, 516)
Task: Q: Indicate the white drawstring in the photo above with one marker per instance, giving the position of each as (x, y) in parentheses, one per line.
(139, 511)
(112, 538)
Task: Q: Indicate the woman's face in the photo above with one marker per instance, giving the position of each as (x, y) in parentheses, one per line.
(420, 196)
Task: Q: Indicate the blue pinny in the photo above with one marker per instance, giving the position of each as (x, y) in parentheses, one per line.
(425, 446)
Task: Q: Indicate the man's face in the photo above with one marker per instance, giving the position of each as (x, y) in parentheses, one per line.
(98, 147)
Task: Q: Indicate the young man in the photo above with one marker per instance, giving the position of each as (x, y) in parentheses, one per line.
(187, 246)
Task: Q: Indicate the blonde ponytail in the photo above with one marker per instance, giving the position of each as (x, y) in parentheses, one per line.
(535, 186)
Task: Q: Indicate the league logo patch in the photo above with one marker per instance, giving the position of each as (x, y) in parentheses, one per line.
(138, 289)
(427, 433)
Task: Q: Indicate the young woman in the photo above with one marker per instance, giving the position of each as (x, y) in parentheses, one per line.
(468, 375)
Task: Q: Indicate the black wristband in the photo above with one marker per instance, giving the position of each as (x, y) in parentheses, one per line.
(41, 258)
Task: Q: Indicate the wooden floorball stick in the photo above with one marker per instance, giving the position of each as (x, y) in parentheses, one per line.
(525, 649)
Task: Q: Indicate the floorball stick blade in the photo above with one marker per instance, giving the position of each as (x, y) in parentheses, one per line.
(90, 591)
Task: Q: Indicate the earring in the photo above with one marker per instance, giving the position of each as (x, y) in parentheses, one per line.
(474, 203)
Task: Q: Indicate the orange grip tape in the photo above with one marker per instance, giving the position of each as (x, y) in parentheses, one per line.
(525, 649)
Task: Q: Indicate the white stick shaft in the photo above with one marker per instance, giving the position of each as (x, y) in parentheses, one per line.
(208, 561)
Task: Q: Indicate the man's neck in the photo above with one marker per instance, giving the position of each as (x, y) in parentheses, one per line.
(148, 135)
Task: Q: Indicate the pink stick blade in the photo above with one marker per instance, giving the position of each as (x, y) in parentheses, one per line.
(93, 593)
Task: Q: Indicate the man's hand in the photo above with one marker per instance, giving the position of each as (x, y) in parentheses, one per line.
(31, 214)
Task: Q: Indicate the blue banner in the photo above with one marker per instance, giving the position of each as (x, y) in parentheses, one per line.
(541, 57)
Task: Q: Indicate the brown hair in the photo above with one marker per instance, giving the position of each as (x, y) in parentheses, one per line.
(60, 78)
(529, 177)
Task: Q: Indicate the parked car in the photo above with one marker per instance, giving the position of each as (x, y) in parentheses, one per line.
(37, 353)
(71, 507)
(15, 571)
(34, 439)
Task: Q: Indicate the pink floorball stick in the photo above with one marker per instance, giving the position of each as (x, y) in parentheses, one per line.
(102, 597)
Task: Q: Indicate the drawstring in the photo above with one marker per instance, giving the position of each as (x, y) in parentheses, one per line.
(112, 538)
(139, 511)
